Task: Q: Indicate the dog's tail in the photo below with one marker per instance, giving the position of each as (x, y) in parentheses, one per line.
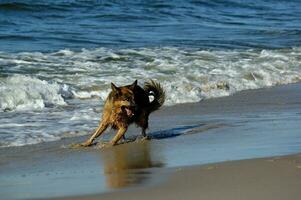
(153, 88)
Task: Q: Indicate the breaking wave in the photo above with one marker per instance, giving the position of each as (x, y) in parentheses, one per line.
(21, 92)
(65, 89)
(188, 75)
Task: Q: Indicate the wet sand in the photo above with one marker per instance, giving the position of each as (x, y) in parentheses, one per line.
(269, 179)
(248, 125)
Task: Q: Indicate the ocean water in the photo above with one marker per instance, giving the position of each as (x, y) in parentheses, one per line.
(57, 58)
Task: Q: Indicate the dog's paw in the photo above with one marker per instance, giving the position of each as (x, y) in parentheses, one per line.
(145, 138)
(85, 144)
(75, 146)
(142, 139)
(104, 145)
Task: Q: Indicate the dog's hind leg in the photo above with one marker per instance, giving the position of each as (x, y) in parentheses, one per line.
(101, 128)
(144, 125)
(143, 132)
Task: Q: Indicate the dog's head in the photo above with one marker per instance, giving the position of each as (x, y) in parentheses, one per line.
(124, 100)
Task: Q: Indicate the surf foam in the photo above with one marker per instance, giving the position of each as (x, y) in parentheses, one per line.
(81, 79)
(188, 75)
(20, 92)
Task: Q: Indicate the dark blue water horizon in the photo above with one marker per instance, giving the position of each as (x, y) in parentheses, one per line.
(47, 26)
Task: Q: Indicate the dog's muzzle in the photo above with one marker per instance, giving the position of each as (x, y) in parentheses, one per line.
(129, 110)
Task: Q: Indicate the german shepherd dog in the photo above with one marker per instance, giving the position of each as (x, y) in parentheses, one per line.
(126, 105)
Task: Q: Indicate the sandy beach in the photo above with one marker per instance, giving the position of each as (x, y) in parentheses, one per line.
(269, 178)
(178, 162)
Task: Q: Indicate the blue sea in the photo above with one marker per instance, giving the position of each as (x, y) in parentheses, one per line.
(57, 58)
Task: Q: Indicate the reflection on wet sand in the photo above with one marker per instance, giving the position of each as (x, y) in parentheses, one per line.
(127, 164)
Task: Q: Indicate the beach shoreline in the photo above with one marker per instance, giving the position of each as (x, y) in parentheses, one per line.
(269, 178)
(186, 138)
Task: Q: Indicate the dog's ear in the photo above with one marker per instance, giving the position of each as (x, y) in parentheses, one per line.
(132, 87)
(114, 87)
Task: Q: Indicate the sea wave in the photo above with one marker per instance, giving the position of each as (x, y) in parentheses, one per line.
(188, 75)
(20, 92)
(65, 90)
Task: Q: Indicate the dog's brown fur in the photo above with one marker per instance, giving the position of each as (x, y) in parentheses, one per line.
(126, 105)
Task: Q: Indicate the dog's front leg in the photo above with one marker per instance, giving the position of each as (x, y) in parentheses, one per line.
(101, 128)
(118, 135)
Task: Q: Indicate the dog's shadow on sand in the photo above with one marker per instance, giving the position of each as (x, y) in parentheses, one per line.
(175, 132)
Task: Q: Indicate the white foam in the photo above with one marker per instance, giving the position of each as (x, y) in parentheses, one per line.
(91, 94)
(188, 75)
(26, 139)
(21, 92)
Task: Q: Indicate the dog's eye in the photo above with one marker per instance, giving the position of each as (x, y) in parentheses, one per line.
(127, 99)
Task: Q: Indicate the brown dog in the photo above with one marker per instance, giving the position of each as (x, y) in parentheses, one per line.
(128, 104)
